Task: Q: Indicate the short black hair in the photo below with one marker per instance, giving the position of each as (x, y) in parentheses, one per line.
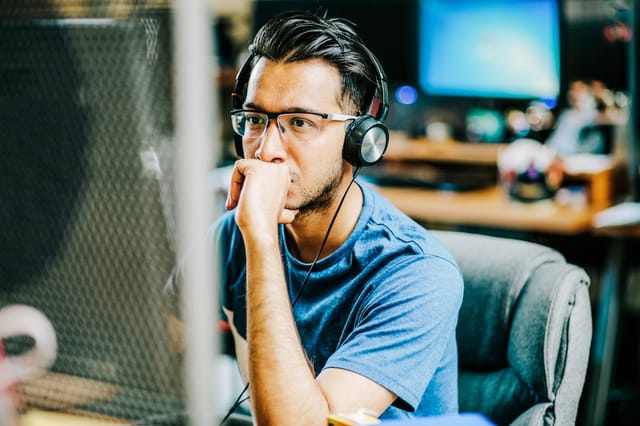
(300, 35)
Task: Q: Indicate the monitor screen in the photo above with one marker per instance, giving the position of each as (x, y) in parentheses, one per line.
(492, 49)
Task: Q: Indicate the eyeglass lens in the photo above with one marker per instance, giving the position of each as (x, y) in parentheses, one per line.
(298, 126)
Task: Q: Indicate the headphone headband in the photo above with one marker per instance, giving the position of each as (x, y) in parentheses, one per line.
(379, 107)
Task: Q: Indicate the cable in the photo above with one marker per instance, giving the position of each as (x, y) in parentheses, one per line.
(326, 237)
(239, 400)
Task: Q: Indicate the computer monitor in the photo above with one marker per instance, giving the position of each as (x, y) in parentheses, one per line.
(490, 50)
(478, 60)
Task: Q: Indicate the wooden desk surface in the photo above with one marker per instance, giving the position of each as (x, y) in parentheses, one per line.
(631, 231)
(489, 207)
(52, 418)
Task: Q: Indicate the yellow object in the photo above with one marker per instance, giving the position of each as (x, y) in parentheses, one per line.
(362, 417)
(36, 417)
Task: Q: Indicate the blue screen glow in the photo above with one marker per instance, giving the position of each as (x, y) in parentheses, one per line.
(490, 48)
(406, 95)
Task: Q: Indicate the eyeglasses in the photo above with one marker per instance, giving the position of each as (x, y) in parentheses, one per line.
(295, 126)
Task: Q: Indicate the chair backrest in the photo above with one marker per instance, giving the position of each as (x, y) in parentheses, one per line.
(524, 330)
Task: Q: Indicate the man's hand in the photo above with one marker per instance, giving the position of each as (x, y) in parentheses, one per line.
(259, 190)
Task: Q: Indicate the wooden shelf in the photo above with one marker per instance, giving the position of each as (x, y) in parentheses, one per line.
(489, 207)
(402, 148)
(603, 185)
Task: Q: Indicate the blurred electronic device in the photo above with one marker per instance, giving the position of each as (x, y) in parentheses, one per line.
(479, 59)
(85, 107)
(493, 49)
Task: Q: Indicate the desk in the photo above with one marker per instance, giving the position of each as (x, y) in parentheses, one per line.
(489, 207)
(51, 418)
(605, 180)
(57, 394)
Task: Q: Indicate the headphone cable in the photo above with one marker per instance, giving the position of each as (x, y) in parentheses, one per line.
(240, 400)
(326, 237)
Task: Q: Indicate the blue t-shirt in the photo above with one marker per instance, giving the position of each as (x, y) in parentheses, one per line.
(384, 305)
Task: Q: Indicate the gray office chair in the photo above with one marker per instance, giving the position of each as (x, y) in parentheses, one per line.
(524, 330)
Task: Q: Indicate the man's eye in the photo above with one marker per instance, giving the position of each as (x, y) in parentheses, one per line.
(255, 119)
(301, 122)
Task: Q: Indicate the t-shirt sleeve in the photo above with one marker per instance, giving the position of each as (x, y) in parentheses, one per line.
(405, 328)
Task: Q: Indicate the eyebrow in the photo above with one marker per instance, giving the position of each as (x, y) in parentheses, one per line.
(251, 105)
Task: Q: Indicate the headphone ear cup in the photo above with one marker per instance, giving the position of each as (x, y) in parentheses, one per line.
(365, 141)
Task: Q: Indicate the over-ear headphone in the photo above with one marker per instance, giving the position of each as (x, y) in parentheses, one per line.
(366, 138)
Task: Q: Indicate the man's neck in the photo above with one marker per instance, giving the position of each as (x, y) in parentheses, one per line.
(305, 236)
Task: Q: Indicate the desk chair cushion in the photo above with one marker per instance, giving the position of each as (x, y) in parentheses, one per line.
(524, 330)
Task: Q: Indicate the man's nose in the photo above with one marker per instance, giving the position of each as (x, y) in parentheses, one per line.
(272, 146)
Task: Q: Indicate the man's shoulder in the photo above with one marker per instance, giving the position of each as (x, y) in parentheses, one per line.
(383, 208)
(402, 231)
(386, 215)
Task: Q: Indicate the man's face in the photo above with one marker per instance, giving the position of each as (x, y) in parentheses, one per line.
(316, 166)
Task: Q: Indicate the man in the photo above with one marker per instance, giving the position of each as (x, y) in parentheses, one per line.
(337, 301)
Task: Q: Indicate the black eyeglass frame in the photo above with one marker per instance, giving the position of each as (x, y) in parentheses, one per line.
(275, 115)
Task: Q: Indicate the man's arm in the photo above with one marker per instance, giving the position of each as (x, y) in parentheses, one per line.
(283, 386)
(348, 391)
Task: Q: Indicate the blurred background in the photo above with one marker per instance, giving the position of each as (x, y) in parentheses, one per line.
(524, 107)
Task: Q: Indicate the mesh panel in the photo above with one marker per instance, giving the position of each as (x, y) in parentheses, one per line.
(85, 126)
